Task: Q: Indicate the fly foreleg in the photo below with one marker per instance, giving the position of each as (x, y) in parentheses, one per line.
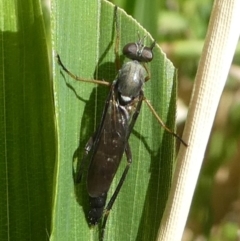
(100, 82)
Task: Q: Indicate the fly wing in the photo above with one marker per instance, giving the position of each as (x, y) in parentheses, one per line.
(109, 146)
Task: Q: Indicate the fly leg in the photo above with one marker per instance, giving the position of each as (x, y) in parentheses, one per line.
(115, 194)
(162, 123)
(136, 113)
(100, 82)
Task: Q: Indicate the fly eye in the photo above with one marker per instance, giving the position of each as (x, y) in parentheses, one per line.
(147, 54)
(130, 50)
(136, 51)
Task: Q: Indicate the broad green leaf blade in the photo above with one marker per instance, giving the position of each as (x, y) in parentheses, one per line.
(84, 37)
(27, 138)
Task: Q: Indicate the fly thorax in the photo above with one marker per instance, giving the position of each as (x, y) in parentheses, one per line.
(130, 80)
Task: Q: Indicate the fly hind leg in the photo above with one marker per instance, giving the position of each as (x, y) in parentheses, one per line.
(115, 194)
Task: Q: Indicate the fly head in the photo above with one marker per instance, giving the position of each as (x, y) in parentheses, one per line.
(138, 51)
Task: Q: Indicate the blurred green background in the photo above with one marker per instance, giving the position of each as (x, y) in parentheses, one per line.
(180, 27)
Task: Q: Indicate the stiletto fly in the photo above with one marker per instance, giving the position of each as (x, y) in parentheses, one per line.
(110, 141)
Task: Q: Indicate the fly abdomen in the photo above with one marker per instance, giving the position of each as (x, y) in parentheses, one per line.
(97, 205)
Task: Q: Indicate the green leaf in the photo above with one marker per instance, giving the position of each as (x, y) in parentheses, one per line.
(84, 37)
(27, 131)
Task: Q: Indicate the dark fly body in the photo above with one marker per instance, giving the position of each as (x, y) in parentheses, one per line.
(111, 139)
